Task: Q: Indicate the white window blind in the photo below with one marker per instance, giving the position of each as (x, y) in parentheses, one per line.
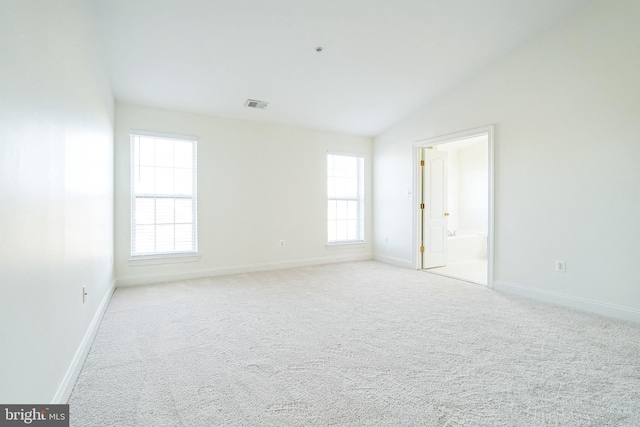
(163, 195)
(345, 201)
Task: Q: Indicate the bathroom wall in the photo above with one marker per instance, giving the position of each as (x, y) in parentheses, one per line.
(473, 189)
(453, 188)
(468, 187)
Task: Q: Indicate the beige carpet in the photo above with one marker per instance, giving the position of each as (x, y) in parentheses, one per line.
(353, 344)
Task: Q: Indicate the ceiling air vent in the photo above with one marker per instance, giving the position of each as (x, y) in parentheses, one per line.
(252, 103)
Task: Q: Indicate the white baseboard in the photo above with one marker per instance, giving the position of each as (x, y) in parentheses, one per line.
(69, 380)
(394, 261)
(144, 279)
(605, 309)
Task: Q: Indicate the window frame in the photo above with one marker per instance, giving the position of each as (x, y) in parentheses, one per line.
(158, 255)
(359, 199)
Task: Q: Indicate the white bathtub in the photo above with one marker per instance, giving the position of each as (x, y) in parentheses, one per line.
(466, 247)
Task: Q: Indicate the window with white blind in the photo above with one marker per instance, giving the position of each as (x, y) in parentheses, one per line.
(163, 195)
(345, 198)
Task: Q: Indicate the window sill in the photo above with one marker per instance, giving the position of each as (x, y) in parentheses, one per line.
(163, 259)
(346, 245)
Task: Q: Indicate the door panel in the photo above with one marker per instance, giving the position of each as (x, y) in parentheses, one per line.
(434, 227)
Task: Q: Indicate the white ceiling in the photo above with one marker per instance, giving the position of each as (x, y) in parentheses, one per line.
(381, 61)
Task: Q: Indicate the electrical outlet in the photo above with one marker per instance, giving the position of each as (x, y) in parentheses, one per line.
(282, 243)
(561, 266)
(84, 294)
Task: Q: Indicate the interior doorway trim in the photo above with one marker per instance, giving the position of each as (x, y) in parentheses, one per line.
(487, 131)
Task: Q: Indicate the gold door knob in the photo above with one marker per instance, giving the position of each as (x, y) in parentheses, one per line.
(446, 214)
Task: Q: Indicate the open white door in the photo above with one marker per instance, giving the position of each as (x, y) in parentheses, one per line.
(434, 214)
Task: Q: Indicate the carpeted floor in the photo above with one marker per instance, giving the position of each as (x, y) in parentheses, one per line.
(353, 344)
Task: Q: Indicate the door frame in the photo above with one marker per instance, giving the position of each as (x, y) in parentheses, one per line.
(487, 131)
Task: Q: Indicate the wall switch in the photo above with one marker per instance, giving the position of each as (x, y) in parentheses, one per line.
(386, 239)
(561, 266)
(282, 243)
(84, 294)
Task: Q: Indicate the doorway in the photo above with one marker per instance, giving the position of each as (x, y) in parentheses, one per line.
(454, 199)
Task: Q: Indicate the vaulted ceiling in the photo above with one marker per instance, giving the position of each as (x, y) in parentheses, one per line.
(381, 60)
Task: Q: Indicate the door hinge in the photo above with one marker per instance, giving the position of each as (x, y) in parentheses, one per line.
(421, 162)
(421, 205)
(421, 248)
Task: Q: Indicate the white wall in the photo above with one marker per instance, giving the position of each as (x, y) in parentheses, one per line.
(453, 188)
(257, 184)
(566, 108)
(473, 186)
(56, 192)
(467, 187)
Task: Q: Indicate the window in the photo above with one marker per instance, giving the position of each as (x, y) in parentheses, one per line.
(345, 201)
(163, 195)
